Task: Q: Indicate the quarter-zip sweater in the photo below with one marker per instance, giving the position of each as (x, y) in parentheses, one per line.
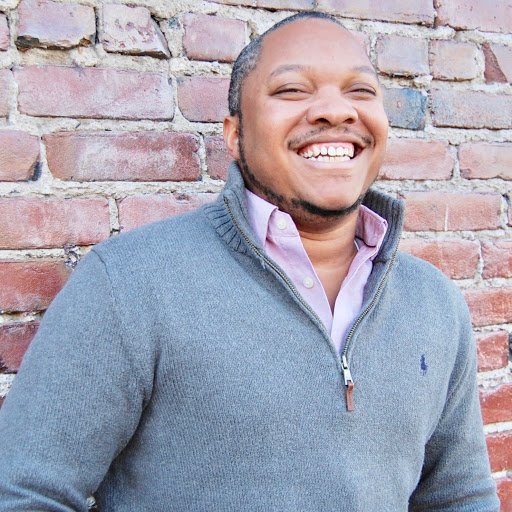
(180, 370)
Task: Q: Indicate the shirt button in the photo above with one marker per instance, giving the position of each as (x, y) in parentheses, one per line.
(281, 223)
(308, 282)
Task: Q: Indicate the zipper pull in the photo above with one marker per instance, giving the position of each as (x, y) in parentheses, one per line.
(349, 383)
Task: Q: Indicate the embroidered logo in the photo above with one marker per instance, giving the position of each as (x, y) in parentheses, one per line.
(423, 365)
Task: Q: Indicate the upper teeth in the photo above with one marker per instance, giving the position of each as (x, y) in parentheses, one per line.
(322, 150)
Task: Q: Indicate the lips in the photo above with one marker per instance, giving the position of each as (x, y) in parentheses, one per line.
(329, 151)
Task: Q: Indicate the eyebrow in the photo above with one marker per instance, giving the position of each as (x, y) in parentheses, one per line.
(299, 67)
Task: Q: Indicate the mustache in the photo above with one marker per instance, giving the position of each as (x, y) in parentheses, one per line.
(301, 140)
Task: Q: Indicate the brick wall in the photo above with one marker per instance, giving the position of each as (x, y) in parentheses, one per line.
(110, 117)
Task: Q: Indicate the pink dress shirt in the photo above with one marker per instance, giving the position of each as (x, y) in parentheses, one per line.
(276, 232)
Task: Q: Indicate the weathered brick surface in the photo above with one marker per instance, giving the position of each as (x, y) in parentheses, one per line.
(30, 285)
(497, 257)
(490, 306)
(47, 24)
(19, 154)
(454, 60)
(412, 11)
(400, 55)
(30, 222)
(217, 157)
(505, 493)
(14, 341)
(405, 108)
(486, 160)
(135, 211)
(56, 91)
(471, 109)
(299, 5)
(213, 37)
(202, 98)
(5, 86)
(471, 14)
(442, 211)
(497, 404)
(133, 156)
(458, 259)
(500, 450)
(133, 31)
(4, 32)
(492, 351)
(498, 63)
(412, 159)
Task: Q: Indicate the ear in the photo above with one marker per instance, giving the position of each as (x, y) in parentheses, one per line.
(231, 130)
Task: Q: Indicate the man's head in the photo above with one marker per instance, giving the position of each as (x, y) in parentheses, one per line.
(307, 86)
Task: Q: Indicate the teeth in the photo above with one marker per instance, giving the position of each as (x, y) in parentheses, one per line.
(328, 153)
(323, 150)
(316, 150)
(331, 151)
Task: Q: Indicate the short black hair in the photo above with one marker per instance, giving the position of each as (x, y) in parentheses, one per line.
(249, 56)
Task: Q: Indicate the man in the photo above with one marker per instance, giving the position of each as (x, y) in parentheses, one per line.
(271, 351)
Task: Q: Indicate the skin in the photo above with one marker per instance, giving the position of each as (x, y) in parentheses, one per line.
(313, 84)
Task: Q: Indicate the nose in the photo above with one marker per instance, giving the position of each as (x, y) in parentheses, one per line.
(331, 107)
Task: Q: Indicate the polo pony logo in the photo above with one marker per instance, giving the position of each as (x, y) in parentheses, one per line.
(423, 365)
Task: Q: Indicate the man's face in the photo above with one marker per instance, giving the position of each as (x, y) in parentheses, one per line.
(312, 92)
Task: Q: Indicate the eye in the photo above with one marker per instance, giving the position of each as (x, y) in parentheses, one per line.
(365, 90)
(291, 91)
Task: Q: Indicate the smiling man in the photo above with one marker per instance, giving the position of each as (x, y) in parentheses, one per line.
(272, 351)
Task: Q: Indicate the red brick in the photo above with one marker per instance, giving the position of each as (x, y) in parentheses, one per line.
(58, 91)
(401, 55)
(14, 341)
(454, 60)
(471, 109)
(505, 493)
(442, 211)
(298, 5)
(130, 156)
(498, 63)
(486, 160)
(500, 450)
(492, 351)
(5, 87)
(4, 33)
(133, 31)
(414, 159)
(19, 153)
(213, 38)
(497, 258)
(497, 404)
(458, 259)
(490, 306)
(135, 211)
(203, 99)
(47, 24)
(40, 222)
(405, 11)
(217, 158)
(472, 14)
(30, 285)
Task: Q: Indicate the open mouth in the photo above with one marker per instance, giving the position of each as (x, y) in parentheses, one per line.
(329, 152)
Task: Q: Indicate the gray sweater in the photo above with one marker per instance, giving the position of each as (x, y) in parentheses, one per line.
(179, 370)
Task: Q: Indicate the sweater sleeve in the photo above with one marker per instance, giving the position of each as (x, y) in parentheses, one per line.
(75, 402)
(456, 476)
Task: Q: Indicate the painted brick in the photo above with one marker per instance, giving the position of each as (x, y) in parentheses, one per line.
(490, 306)
(213, 38)
(133, 31)
(486, 160)
(405, 11)
(497, 404)
(19, 154)
(504, 486)
(400, 55)
(492, 351)
(469, 14)
(413, 159)
(135, 211)
(405, 108)
(96, 93)
(5, 87)
(40, 222)
(217, 157)
(471, 109)
(47, 24)
(298, 5)
(4, 33)
(14, 341)
(130, 156)
(203, 98)
(30, 285)
(442, 211)
(454, 60)
(497, 257)
(498, 63)
(458, 259)
(499, 447)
